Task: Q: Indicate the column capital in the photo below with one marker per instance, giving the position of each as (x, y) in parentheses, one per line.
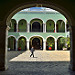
(27, 40)
(55, 40)
(28, 23)
(44, 23)
(8, 28)
(16, 40)
(44, 40)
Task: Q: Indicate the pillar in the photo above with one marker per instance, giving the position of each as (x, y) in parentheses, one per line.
(65, 28)
(72, 49)
(55, 28)
(28, 27)
(3, 45)
(44, 27)
(55, 44)
(16, 45)
(27, 44)
(44, 45)
(17, 26)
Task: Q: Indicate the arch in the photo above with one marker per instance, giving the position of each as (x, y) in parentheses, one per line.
(36, 25)
(11, 36)
(53, 5)
(50, 36)
(11, 43)
(22, 36)
(22, 43)
(13, 25)
(37, 42)
(59, 36)
(37, 18)
(60, 26)
(60, 43)
(50, 26)
(22, 25)
(50, 43)
(48, 4)
(36, 36)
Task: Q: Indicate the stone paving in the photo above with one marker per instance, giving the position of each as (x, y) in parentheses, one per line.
(44, 63)
(43, 56)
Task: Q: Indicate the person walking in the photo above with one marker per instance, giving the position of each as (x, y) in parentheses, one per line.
(32, 51)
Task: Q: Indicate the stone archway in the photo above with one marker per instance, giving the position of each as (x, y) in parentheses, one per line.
(50, 26)
(36, 27)
(47, 4)
(37, 42)
(60, 45)
(13, 25)
(60, 26)
(50, 43)
(22, 25)
(22, 44)
(12, 43)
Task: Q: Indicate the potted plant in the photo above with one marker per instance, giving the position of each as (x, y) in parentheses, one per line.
(50, 47)
(64, 48)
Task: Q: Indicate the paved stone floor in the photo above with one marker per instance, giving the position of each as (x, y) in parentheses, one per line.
(44, 63)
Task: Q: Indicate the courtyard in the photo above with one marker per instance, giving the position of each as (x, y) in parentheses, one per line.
(44, 63)
(39, 56)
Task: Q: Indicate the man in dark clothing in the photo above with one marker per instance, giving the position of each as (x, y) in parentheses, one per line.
(32, 51)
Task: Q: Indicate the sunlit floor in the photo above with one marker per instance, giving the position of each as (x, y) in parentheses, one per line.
(44, 63)
(40, 56)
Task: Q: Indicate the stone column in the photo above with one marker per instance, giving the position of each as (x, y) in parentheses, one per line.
(17, 26)
(65, 28)
(3, 45)
(44, 28)
(72, 48)
(55, 28)
(27, 44)
(16, 45)
(44, 45)
(28, 27)
(55, 44)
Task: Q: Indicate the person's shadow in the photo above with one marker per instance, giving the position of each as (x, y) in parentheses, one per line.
(35, 57)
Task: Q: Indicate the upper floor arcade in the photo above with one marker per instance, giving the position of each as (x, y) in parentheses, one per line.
(37, 25)
(38, 21)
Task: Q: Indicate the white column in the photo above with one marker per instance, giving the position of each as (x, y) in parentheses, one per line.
(55, 44)
(55, 28)
(43, 27)
(65, 28)
(28, 27)
(27, 44)
(44, 45)
(16, 45)
(17, 26)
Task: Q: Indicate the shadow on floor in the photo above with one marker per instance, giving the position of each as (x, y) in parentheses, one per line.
(38, 68)
(13, 54)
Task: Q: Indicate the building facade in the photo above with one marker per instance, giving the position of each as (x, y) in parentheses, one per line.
(42, 29)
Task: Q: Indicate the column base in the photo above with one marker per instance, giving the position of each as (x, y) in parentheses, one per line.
(4, 68)
(44, 50)
(56, 50)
